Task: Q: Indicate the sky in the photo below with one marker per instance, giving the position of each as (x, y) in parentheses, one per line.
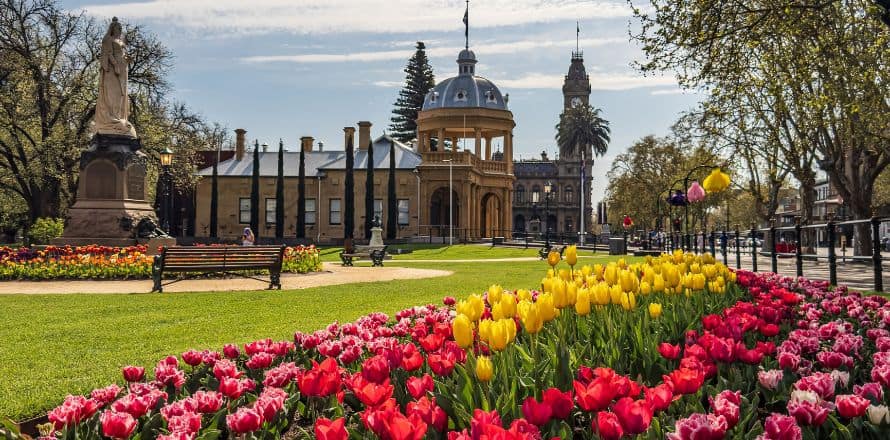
(292, 68)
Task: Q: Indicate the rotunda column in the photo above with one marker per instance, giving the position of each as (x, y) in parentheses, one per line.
(487, 147)
(508, 151)
(441, 140)
(478, 135)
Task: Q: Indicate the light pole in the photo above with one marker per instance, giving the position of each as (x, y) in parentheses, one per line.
(166, 161)
(450, 203)
(548, 188)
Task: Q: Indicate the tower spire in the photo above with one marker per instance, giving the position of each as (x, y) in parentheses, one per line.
(577, 36)
(467, 26)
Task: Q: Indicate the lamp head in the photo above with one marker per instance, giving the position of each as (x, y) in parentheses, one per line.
(166, 157)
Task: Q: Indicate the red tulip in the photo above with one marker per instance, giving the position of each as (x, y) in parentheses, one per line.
(722, 350)
(429, 412)
(608, 426)
(481, 419)
(207, 402)
(535, 412)
(634, 415)
(244, 420)
(419, 386)
(595, 396)
(669, 351)
(192, 357)
(231, 351)
(226, 368)
(117, 425)
(260, 361)
(441, 364)
(781, 427)
(700, 427)
(269, 403)
(769, 330)
(561, 403)
(412, 359)
(375, 369)
(660, 397)
(432, 342)
(322, 380)
(133, 374)
(326, 429)
(370, 393)
(726, 404)
(851, 405)
(685, 380)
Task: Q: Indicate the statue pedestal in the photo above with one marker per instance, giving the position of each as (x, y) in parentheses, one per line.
(376, 237)
(110, 201)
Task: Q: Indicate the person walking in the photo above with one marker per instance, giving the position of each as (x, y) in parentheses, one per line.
(247, 237)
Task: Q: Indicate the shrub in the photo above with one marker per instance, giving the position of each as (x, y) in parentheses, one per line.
(45, 229)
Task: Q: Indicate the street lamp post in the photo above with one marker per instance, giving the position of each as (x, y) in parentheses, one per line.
(548, 188)
(166, 161)
(450, 203)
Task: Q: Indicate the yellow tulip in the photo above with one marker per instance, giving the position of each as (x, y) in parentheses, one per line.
(462, 328)
(582, 302)
(658, 284)
(530, 316)
(610, 275)
(553, 258)
(472, 307)
(499, 334)
(628, 301)
(546, 307)
(558, 291)
(655, 310)
(645, 288)
(600, 294)
(621, 263)
(484, 368)
(628, 280)
(571, 293)
(494, 293)
(586, 270)
(523, 295)
(698, 281)
(564, 274)
(615, 294)
(598, 271)
(571, 255)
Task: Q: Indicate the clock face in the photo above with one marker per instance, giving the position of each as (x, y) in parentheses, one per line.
(576, 101)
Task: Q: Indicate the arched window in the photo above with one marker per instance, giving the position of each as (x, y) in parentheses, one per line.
(536, 194)
(569, 225)
(489, 96)
(520, 194)
(568, 194)
(554, 193)
(461, 95)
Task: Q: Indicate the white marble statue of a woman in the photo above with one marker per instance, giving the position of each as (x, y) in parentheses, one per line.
(113, 105)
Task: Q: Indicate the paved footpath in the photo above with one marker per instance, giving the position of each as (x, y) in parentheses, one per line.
(333, 273)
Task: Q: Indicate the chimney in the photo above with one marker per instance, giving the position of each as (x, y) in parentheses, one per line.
(364, 134)
(348, 136)
(320, 146)
(306, 143)
(239, 143)
(265, 147)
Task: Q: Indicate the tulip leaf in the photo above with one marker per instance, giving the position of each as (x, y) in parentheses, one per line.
(151, 427)
(212, 434)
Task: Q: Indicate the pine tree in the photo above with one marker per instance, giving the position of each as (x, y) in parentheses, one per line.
(255, 192)
(392, 209)
(301, 197)
(279, 193)
(214, 201)
(369, 191)
(349, 196)
(419, 81)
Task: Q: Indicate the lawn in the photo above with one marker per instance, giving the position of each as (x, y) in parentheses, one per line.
(421, 251)
(59, 344)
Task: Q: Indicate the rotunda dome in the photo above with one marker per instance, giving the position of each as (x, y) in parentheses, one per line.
(466, 89)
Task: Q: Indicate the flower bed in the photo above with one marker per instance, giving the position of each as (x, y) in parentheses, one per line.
(678, 346)
(104, 262)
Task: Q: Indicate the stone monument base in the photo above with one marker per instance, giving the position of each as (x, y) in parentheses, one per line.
(376, 237)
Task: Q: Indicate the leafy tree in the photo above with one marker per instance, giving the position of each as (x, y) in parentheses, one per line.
(255, 191)
(279, 193)
(392, 208)
(582, 132)
(419, 80)
(301, 197)
(369, 191)
(349, 196)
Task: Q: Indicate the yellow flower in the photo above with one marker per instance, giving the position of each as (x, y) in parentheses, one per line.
(505, 308)
(553, 258)
(655, 310)
(586, 270)
(698, 281)
(615, 294)
(500, 333)
(610, 275)
(571, 293)
(658, 284)
(462, 328)
(645, 288)
(494, 293)
(582, 302)
(530, 316)
(546, 307)
(472, 307)
(628, 301)
(716, 181)
(628, 280)
(600, 294)
(571, 255)
(598, 271)
(523, 295)
(484, 368)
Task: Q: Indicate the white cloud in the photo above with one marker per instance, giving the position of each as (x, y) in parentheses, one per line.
(388, 84)
(598, 81)
(432, 52)
(675, 91)
(338, 16)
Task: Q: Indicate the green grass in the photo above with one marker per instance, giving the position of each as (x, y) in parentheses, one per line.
(422, 251)
(54, 345)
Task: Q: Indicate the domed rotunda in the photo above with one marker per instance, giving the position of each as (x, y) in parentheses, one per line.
(457, 116)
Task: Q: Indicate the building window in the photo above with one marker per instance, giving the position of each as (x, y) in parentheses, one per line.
(244, 210)
(554, 193)
(536, 194)
(569, 225)
(568, 194)
(489, 96)
(520, 194)
(461, 95)
(434, 96)
(334, 212)
(404, 219)
(378, 209)
(270, 211)
(310, 211)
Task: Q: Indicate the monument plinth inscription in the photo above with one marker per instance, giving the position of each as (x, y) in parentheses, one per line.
(110, 207)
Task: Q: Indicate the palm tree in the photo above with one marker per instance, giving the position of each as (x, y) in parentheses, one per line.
(581, 131)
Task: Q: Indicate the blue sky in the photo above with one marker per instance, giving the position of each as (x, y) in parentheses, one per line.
(290, 68)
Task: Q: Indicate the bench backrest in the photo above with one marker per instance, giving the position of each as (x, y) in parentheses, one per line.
(198, 258)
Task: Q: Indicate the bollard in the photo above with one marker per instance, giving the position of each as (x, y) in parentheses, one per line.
(797, 252)
(738, 248)
(594, 243)
(876, 253)
(724, 240)
(774, 261)
(753, 248)
(832, 257)
(713, 239)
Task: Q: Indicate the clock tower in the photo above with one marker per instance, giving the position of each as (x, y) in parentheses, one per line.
(576, 88)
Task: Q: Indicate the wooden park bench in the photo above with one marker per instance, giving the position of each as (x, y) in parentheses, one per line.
(545, 250)
(232, 260)
(376, 253)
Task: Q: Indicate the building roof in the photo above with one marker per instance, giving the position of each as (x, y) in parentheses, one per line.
(466, 89)
(534, 168)
(406, 158)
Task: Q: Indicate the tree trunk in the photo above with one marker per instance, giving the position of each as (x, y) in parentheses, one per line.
(807, 202)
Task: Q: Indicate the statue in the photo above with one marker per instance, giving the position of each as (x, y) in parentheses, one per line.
(113, 105)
